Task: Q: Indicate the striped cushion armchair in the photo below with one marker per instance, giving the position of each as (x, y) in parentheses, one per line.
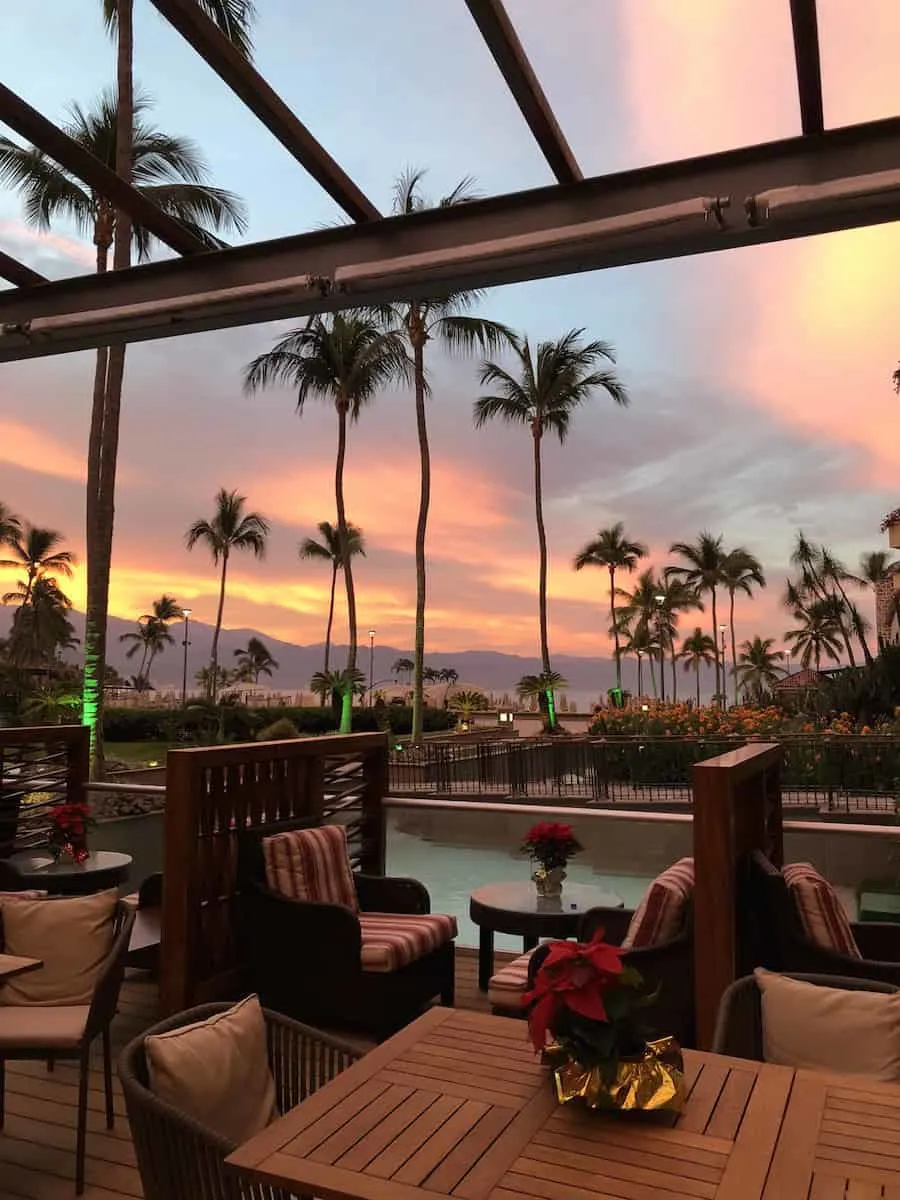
(333, 947)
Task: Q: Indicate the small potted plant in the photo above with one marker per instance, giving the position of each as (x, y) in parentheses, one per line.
(69, 824)
(550, 845)
(586, 1016)
(891, 526)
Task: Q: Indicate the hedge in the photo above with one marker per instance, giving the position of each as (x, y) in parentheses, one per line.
(239, 723)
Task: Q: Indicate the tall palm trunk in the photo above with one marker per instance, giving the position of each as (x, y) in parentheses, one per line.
(861, 637)
(697, 676)
(329, 626)
(662, 662)
(720, 686)
(674, 662)
(615, 629)
(652, 674)
(213, 682)
(104, 436)
(734, 677)
(640, 676)
(542, 571)
(347, 694)
(418, 704)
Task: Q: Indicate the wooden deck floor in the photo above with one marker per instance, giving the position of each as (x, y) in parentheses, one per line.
(37, 1145)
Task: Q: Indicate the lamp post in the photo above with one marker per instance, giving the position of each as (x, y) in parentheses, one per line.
(640, 658)
(371, 665)
(186, 613)
(660, 601)
(724, 684)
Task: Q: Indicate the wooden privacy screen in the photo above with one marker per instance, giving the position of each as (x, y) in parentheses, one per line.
(40, 767)
(212, 795)
(737, 808)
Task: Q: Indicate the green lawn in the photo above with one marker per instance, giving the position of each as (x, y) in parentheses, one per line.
(140, 754)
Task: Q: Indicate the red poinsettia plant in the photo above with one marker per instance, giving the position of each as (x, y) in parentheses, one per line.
(69, 824)
(551, 844)
(587, 1003)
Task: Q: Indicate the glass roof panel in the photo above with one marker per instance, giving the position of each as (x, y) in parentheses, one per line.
(634, 84)
(860, 48)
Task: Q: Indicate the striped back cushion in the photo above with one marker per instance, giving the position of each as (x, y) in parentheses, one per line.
(819, 910)
(661, 913)
(311, 864)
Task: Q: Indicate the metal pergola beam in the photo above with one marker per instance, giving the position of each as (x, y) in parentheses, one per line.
(805, 26)
(15, 272)
(35, 128)
(246, 82)
(509, 54)
(178, 290)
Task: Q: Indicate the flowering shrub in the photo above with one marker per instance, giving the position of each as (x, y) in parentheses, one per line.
(551, 844)
(742, 721)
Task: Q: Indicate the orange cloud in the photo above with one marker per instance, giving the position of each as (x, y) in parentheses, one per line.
(66, 247)
(35, 450)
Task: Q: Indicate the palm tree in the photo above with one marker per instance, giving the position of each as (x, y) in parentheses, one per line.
(673, 597)
(818, 631)
(641, 615)
(41, 626)
(37, 551)
(834, 572)
(758, 666)
(450, 677)
(447, 320)
(741, 571)
(696, 651)
(10, 525)
(614, 551)
(141, 640)
(230, 529)
(876, 567)
(638, 641)
(165, 609)
(338, 685)
(345, 360)
(542, 687)
(468, 702)
(403, 666)
(255, 660)
(329, 550)
(553, 381)
(705, 559)
(171, 172)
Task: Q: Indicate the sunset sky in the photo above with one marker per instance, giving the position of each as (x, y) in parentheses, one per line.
(760, 378)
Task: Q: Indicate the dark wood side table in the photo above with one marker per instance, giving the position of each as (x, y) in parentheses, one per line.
(100, 870)
(516, 908)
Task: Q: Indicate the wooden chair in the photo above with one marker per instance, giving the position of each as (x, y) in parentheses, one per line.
(48, 1032)
(310, 959)
(178, 1158)
(739, 1031)
(778, 941)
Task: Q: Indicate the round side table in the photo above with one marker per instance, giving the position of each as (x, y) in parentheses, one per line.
(516, 908)
(101, 869)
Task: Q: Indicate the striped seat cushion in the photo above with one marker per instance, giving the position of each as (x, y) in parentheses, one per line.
(311, 864)
(394, 940)
(508, 985)
(819, 910)
(661, 913)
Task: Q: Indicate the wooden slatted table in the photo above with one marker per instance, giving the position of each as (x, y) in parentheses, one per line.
(12, 964)
(457, 1105)
(840, 1139)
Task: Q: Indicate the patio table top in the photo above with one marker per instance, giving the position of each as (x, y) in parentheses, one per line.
(457, 1105)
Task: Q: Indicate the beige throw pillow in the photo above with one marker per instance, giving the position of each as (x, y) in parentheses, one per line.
(71, 936)
(217, 1071)
(830, 1029)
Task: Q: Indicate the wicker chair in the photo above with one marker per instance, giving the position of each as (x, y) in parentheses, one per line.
(778, 941)
(178, 1158)
(305, 958)
(739, 1032)
(101, 1011)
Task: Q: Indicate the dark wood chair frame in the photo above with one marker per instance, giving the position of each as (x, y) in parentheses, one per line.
(304, 958)
(180, 1159)
(102, 1009)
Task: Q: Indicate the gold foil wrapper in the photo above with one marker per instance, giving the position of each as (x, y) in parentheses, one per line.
(652, 1083)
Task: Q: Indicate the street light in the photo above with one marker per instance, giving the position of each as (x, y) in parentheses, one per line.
(660, 601)
(371, 664)
(724, 685)
(186, 613)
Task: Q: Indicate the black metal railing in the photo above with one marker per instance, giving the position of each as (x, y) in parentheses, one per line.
(827, 773)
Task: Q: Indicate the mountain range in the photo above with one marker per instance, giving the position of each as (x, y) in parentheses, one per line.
(487, 670)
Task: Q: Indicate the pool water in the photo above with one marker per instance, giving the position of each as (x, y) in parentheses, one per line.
(452, 868)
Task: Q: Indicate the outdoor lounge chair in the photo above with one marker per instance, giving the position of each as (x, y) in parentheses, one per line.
(333, 947)
(816, 939)
(52, 1027)
(179, 1158)
(739, 1029)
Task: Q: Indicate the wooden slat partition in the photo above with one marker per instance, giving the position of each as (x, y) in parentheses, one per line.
(212, 794)
(737, 808)
(41, 766)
